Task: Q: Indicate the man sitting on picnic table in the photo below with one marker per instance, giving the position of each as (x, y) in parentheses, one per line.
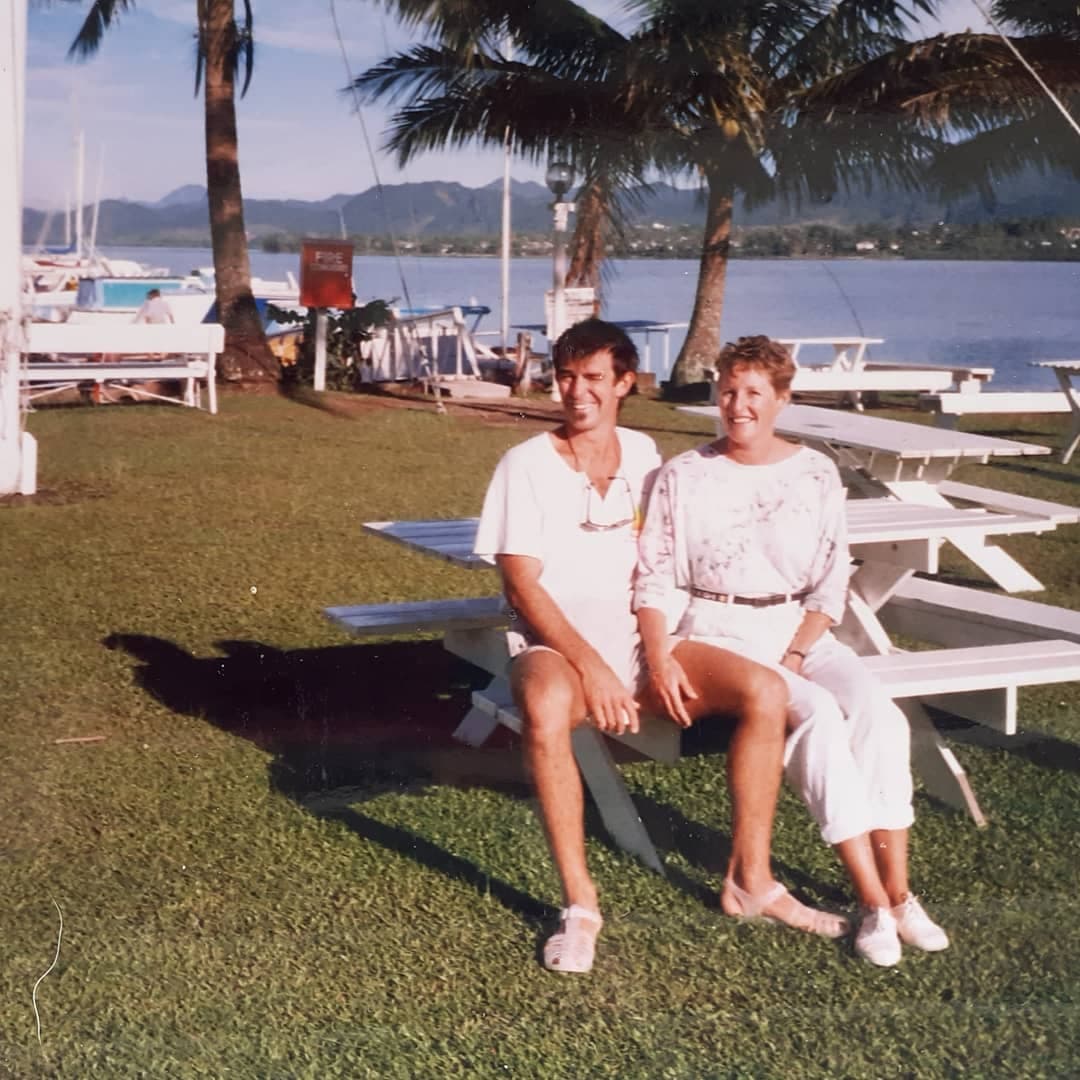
(561, 517)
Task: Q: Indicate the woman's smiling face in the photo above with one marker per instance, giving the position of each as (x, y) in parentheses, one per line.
(749, 404)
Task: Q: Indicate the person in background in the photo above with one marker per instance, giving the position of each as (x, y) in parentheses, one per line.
(561, 518)
(155, 309)
(753, 528)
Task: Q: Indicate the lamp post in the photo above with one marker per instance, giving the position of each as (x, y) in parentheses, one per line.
(559, 178)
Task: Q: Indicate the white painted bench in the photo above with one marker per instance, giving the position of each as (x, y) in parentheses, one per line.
(948, 407)
(977, 683)
(1006, 502)
(409, 617)
(955, 616)
(107, 352)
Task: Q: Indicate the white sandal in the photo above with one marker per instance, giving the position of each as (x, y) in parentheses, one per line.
(809, 920)
(572, 947)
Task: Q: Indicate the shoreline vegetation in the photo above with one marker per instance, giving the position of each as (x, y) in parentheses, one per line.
(1046, 240)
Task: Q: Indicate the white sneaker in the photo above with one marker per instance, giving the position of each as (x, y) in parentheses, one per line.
(916, 928)
(877, 939)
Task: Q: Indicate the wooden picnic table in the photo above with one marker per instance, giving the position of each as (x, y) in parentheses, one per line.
(891, 540)
(849, 353)
(1066, 371)
(911, 462)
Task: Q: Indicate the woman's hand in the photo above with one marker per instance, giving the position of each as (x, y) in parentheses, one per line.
(672, 688)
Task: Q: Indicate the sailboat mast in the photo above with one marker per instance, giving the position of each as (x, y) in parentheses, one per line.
(80, 148)
(97, 203)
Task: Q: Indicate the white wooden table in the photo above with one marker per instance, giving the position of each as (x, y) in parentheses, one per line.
(850, 374)
(1066, 371)
(891, 541)
(849, 353)
(908, 461)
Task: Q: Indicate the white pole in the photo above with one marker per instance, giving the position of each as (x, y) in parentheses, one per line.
(80, 156)
(505, 325)
(558, 299)
(17, 449)
(319, 378)
(508, 50)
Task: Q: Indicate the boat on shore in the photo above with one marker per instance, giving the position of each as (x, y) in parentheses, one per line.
(101, 297)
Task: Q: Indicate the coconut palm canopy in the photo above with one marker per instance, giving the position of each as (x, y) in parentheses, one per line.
(224, 47)
(796, 99)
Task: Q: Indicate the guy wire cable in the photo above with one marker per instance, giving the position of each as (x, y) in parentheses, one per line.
(439, 407)
(847, 299)
(371, 155)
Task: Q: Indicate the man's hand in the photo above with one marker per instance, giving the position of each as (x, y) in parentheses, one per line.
(669, 683)
(610, 706)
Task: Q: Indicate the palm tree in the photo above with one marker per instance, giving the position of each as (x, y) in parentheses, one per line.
(577, 48)
(709, 89)
(795, 99)
(222, 47)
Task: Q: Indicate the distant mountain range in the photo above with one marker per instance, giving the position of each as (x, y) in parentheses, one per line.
(450, 209)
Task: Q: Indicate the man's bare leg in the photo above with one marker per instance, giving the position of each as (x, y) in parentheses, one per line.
(548, 693)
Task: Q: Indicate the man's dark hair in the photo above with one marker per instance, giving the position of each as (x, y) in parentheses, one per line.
(593, 336)
(151, 293)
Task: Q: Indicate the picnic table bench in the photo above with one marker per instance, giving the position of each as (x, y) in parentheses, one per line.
(131, 354)
(949, 406)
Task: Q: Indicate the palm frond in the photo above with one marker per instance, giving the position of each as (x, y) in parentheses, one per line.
(1060, 17)
(99, 18)
(546, 31)
(1040, 141)
(244, 53)
(847, 32)
(934, 78)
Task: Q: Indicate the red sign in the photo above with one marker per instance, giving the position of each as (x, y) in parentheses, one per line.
(326, 274)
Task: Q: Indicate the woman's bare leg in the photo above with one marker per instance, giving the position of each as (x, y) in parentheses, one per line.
(734, 685)
(891, 855)
(859, 859)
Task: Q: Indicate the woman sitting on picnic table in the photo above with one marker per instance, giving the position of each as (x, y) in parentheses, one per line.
(753, 527)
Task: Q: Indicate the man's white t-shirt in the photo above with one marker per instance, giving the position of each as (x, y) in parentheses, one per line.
(537, 505)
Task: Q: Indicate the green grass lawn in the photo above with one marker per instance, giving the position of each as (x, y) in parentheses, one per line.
(275, 864)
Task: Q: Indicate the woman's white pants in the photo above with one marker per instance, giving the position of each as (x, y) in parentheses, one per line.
(849, 751)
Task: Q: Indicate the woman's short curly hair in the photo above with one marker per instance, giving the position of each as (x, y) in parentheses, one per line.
(762, 353)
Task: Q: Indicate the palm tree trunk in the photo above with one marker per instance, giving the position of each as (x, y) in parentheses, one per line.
(702, 344)
(247, 355)
(588, 247)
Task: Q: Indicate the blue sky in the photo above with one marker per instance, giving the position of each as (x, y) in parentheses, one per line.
(299, 136)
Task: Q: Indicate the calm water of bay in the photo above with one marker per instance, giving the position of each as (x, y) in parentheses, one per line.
(985, 314)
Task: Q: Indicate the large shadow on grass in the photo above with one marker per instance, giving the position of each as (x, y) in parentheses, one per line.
(347, 724)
